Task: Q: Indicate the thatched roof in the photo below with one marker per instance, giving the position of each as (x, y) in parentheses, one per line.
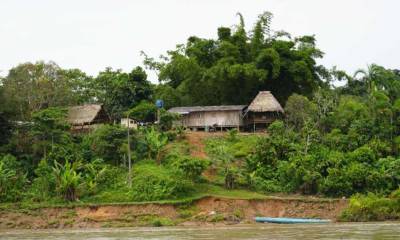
(265, 102)
(186, 110)
(81, 115)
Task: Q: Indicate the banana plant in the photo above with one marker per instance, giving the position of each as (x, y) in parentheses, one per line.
(67, 180)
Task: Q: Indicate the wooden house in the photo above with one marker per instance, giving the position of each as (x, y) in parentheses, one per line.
(263, 110)
(86, 117)
(208, 117)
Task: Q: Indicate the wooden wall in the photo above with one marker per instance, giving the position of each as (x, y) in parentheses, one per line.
(220, 118)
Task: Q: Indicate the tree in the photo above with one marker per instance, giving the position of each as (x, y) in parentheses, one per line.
(170, 96)
(49, 128)
(235, 67)
(6, 126)
(82, 86)
(30, 87)
(377, 78)
(120, 91)
(144, 112)
(106, 142)
(299, 110)
(5, 129)
(191, 167)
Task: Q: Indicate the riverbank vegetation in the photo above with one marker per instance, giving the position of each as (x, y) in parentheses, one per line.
(372, 207)
(333, 141)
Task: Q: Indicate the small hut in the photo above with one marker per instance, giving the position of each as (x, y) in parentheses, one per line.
(263, 110)
(86, 117)
(129, 122)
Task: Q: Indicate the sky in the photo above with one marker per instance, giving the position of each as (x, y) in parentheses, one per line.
(94, 34)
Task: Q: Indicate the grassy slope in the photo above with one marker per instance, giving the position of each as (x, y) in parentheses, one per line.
(240, 148)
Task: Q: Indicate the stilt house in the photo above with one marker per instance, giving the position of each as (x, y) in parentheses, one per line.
(263, 110)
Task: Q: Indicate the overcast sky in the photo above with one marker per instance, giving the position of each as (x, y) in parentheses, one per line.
(94, 34)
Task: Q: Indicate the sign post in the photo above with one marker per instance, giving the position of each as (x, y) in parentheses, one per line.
(159, 105)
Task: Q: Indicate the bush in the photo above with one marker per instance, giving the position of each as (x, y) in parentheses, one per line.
(105, 143)
(363, 154)
(266, 186)
(152, 183)
(12, 180)
(44, 185)
(167, 119)
(232, 135)
(191, 167)
(336, 140)
(371, 207)
(336, 183)
(94, 176)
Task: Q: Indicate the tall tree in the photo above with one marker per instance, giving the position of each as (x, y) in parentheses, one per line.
(234, 67)
(371, 79)
(121, 91)
(5, 124)
(30, 87)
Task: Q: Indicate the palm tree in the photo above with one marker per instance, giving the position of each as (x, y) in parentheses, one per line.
(371, 77)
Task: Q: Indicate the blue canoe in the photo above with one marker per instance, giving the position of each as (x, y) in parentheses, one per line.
(290, 220)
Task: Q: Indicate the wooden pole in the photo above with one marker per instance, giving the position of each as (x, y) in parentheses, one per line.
(129, 157)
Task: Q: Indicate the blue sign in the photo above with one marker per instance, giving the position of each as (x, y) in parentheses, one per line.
(159, 103)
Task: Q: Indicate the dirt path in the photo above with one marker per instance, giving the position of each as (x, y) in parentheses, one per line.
(196, 142)
(197, 148)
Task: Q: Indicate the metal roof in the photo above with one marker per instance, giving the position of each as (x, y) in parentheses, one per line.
(187, 110)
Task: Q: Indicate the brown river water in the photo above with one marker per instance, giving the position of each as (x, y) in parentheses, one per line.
(364, 231)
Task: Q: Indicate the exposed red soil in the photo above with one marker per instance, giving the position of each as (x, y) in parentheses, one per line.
(209, 210)
(197, 148)
(196, 142)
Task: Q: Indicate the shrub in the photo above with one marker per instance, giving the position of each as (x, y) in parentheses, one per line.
(363, 154)
(151, 183)
(93, 176)
(167, 119)
(336, 183)
(336, 140)
(12, 180)
(371, 207)
(191, 167)
(44, 185)
(267, 186)
(232, 135)
(106, 141)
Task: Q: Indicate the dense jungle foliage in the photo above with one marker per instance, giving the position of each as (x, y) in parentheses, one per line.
(333, 141)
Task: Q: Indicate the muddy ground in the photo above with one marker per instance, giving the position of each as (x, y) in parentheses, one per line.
(206, 211)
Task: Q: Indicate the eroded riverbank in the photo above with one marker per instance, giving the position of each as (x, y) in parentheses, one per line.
(202, 212)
